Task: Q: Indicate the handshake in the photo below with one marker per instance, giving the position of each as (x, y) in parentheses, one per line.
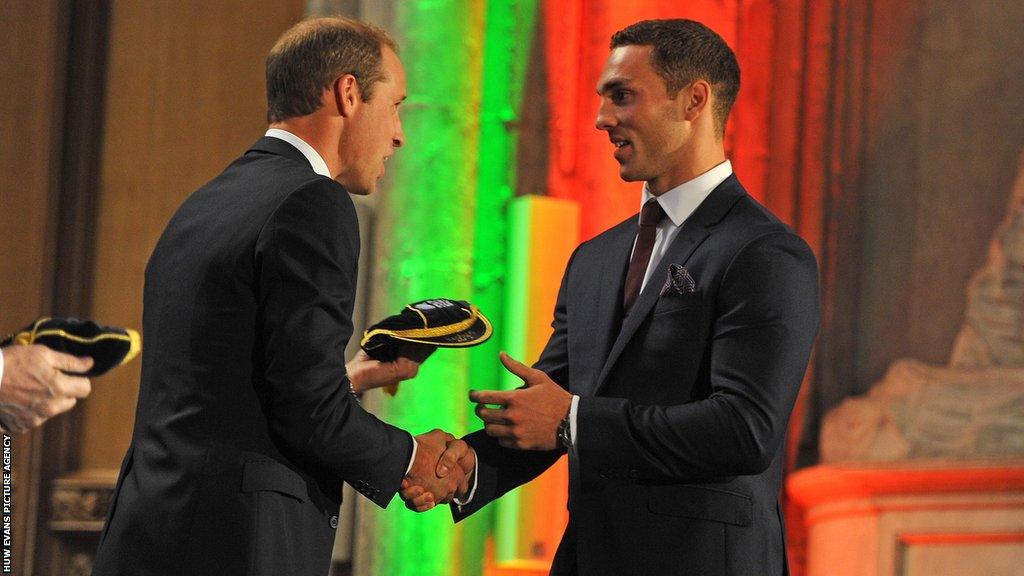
(443, 466)
(442, 470)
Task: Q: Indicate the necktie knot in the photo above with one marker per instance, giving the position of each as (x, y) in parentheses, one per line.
(652, 213)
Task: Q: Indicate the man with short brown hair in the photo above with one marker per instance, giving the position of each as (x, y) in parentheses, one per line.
(248, 421)
(313, 54)
(680, 339)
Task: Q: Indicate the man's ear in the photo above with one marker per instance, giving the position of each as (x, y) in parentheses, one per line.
(346, 95)
(697, 99)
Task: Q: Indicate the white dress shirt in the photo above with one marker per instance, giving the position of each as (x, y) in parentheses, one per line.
(314, 157)
(679, 204)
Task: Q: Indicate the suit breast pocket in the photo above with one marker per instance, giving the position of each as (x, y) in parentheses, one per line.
(676, 321)
(672, 302)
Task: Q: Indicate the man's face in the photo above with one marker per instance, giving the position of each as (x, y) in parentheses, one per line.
(646, 127)
(376, 130)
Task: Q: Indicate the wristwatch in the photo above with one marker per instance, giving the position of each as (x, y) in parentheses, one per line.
(564, 437)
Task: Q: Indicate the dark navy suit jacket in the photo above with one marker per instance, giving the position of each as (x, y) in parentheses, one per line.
(244, 431)
(684, 402)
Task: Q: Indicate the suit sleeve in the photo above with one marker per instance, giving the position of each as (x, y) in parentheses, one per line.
(306, 262)
(766, 319)
(501, 469)
(554, 359)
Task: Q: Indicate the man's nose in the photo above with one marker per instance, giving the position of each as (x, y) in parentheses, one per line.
(605, 120)
(398, 140)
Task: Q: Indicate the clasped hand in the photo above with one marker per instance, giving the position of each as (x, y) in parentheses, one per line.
(442, 470)
(526, 419)
(443, 466)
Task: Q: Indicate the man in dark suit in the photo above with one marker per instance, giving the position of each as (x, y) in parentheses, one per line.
(680, 341)
(247, 424)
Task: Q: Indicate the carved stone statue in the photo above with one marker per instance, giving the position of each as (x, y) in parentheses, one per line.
(973, 408)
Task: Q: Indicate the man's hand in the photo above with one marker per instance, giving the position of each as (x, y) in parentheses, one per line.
(457, 455)
(365, 373)
(34, 389)
(528, 417)
(441, 478)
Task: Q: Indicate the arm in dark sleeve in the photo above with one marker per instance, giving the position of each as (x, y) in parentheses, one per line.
(554, 359)
(501, 469)
(306, 262)
(767, 316)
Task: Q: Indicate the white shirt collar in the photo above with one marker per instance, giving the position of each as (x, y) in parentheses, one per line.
(315, 160)
(680, 202)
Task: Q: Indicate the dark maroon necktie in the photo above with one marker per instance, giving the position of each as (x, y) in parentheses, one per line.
(650, 216)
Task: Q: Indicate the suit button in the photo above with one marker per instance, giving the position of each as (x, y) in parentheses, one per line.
(334, 522)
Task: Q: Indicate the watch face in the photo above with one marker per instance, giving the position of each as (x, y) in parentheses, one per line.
(563, 434)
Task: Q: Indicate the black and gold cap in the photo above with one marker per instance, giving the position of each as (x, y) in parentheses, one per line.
(108, 346)
(423, 326)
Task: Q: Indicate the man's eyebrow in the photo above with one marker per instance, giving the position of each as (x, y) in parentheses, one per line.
(613, 84)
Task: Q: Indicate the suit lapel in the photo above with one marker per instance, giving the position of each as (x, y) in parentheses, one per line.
(608, 307)
(693, 232)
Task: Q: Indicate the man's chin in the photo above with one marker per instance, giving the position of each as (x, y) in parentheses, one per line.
(629, 175)
(358, 189)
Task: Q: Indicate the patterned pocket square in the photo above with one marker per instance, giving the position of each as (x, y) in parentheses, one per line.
(678, 281)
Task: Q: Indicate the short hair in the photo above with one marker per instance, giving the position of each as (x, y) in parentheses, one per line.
(685, 51)
(312, 54)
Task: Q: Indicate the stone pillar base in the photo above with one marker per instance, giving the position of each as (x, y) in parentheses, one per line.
(912, 518)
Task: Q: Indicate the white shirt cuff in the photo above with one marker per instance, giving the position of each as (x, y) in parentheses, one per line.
(413, 458)
(469, 497)
(573, 410)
